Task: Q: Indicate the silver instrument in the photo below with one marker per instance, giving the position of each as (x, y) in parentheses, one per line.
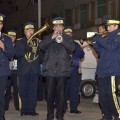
(59, 38)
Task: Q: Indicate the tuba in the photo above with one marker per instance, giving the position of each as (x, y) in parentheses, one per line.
(32, 48)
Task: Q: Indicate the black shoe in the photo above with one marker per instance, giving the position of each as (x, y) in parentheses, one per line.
(49, 118)
(60, 119)
(34, 114)
(64, 112)
(24, 114)
(75, 111)
(29, 113)
(4, 118)
(103, 118)
(17, 109)
(6, 109)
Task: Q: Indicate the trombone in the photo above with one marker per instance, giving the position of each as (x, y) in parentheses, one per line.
(91, 35)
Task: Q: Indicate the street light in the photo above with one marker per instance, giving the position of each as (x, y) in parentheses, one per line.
(39, 13)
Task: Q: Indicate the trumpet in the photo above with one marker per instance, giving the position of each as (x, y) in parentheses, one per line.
(59, 38)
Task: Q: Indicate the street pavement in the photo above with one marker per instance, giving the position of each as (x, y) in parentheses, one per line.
(90, 111)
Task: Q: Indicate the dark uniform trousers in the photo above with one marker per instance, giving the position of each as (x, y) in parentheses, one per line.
(28, 92)
(12, 81)
(72, 90)
(3, 82)
(55, 93)
(107, 97)
(41, 91)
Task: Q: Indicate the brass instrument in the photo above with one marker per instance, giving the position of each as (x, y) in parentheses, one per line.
(32, 51)
(59, 38)
(90, 38)
(40, 30)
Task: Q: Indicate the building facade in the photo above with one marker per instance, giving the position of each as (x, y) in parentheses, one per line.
(83, 15)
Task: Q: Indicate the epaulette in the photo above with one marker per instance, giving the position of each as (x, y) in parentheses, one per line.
(19, 38)
(118, 33)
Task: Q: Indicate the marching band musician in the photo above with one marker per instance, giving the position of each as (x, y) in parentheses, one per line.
(12, 80)
(7, 51)
(108, 69)
(102, 29)
(73, 83)
(28, 70)
(56, 67)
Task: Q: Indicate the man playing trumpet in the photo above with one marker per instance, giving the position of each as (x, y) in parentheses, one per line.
(56, 67)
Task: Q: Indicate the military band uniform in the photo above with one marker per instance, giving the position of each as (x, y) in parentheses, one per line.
(108, 69)
(28, 71)
(5, 55)
(73, 83)
(12, 79)
(56, 69)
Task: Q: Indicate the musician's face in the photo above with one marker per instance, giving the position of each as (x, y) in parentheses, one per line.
(58, 28)
(28, 32)
(111, 28)
(1, 26)
(101, 29)
(13, 38)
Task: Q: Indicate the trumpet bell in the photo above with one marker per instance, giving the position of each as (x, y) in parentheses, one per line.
(59, 39)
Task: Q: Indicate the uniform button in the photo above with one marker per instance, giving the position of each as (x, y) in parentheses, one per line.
(3, 60)
(55, 71)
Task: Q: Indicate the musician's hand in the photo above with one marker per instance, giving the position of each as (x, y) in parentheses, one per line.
(2, 45)
(54, 34)
(90, 42)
